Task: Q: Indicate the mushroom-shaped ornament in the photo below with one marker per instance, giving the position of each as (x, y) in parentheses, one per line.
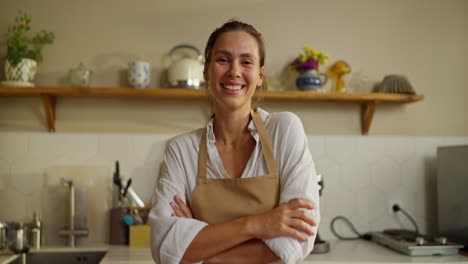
(337, 70)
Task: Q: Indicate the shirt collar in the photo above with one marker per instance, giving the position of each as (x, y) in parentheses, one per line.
(251, 127)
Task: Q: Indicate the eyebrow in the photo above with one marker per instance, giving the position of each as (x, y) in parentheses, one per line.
(225, 52)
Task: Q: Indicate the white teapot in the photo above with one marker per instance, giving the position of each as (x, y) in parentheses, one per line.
(185, 71)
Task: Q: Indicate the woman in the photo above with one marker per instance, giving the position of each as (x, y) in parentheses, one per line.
(244, 188)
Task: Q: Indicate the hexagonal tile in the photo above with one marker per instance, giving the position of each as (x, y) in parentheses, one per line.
(12, 205)
(371, 204)
(413, 173)
(427, 147)
(13, 145)
(369, 148)
(330, 170)
(80, 148)
(356, 173)
(145, 147)
(115, 147)
(385, 174)
(50, 146)
(399, 148)
(324, 228)
(340, 148)
(346, 202)
(34, 202)
(329, 205)
(316, 146)
(27, 179)
(4, 174)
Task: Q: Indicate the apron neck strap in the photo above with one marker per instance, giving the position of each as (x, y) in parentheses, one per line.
(202, 157)
(264, 140)
(266, 143)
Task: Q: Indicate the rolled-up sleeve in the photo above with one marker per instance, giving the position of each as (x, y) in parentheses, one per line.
(170, 235)
(298, 179)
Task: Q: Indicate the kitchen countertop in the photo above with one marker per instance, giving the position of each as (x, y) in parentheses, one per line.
(361, 251)
(127, 255)
(357, 251)
(7, 256)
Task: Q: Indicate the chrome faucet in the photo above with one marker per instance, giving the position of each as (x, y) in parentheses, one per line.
(71, 232)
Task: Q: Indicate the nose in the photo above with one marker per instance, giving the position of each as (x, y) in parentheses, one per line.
(234, 70)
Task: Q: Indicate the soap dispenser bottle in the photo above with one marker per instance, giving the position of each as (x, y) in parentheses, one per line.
(36, 232)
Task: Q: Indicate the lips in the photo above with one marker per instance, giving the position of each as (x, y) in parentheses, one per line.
(232, 86)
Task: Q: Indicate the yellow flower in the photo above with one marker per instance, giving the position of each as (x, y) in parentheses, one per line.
(24, 23)
(324, 59)
(309, 59)
(302, 58)
(309, 51)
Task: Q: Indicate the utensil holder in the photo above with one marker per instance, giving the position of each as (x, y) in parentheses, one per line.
(118, 229)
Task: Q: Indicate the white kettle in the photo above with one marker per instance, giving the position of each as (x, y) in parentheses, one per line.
(185, 71)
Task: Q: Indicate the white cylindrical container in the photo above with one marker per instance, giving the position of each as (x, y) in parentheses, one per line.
(139, 74)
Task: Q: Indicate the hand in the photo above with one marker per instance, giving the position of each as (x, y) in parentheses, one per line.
(285, 220)
(180, 208)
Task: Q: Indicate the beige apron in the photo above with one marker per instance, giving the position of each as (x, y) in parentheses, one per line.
(220, 200)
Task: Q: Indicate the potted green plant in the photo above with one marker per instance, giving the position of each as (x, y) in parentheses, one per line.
(24, 52)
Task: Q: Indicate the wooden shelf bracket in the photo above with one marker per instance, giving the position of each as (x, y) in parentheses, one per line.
(367, 113)
(49, 107)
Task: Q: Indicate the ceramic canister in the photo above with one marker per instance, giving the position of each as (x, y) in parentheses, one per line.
(139, 74)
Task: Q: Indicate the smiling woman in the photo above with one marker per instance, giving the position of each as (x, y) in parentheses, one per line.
(244, 187)
(235, 71)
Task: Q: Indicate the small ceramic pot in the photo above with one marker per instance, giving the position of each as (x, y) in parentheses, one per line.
(311, 80)
(139, 74)
(23, 72)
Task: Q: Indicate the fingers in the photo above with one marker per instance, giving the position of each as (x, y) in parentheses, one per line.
(297, 222)
(294, 233)
(287, 230)
(302, 226)
(180, 209)
(176, 210)
(303, 216)
(301, 203)
(183, 207)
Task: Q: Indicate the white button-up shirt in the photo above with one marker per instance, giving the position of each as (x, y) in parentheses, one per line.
(172, 235)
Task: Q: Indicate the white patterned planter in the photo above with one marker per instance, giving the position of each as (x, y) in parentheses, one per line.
(23, 72)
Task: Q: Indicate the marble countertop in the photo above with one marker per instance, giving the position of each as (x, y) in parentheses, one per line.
(361, 251)
(7, 256)
(127, 255)
(357, 251)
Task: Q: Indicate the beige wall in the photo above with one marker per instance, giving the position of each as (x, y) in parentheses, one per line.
(425, 39)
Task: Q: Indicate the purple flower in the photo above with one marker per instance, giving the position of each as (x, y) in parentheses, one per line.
(309, 64)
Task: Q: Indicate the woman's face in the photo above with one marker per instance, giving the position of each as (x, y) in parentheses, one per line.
(234, 71)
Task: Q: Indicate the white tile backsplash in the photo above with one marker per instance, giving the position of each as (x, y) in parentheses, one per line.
(4, 174)
(362, 174)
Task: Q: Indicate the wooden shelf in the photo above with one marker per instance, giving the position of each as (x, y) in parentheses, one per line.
(49, 96)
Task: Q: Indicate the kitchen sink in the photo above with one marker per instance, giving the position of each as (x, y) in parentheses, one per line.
(70, 257)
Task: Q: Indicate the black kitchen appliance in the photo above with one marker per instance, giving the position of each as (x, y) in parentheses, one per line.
(452, 194)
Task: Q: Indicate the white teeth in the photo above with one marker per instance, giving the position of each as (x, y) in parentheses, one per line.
(233, 87)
